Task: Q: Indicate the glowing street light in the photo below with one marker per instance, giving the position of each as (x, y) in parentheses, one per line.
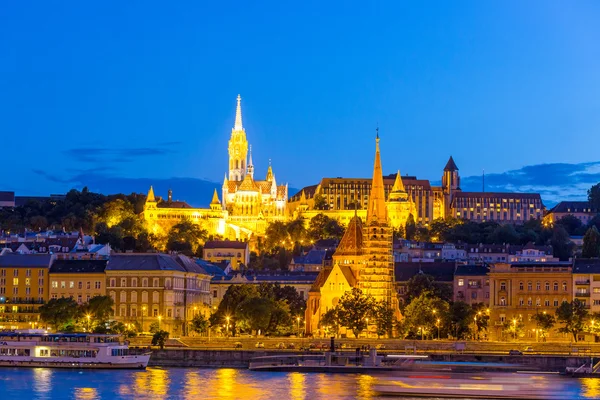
(438, 327)
(88, 316)
(159, 319)
(227, 328)
(515, 326)
(298, 322)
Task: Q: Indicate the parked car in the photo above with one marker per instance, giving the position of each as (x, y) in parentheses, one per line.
(280, 346)
(259, 345)
(515, 353)
(237, 345)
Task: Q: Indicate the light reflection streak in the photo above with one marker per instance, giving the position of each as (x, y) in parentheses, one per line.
(590, 387)
(297, 385)
(86, 393)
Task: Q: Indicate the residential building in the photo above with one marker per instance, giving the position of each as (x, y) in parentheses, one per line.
(531, 253)
(520, 290)
(472, 284)
(582, 210)
(157, 288)
(237, 253)
(442, 273)
(23, 288)
(451, 253)
(313, 261)
(513, 208)
(79, 279)
(586, 282)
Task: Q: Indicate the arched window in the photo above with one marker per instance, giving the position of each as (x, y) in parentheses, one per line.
(564, 286)
(145, 282)
(521, 286)
(529, 286)
(547, 286)
(556, 286)
(538, 285)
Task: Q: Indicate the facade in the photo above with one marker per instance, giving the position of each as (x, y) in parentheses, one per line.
(157, 288)
(23, 289)
(442, 272)
(582, 210)
(513, 208)
(79, 279)
(472, 284)
(313, 261)
(498, 253)
(237, 253)
(586, 282)
(364, 259)
(247, 204)
(520, 290)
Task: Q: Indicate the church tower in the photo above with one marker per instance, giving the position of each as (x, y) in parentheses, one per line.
(238, 147)
(400, 205)
(377, 275)
(450, 184)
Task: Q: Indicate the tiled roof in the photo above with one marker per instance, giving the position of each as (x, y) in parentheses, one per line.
(572, 207)
(472, 270)
(248, 185)
(78, 266)
(281, 192)
(143, 262)
(347, 271)
(265, 186)
(232, 186)
(320, 279)
(352, 241)
(314, 256)
(210, 268)
(441, 271)
(309, 192)
(587, 266)
(190, 265)
(12, 260)
(225, 244)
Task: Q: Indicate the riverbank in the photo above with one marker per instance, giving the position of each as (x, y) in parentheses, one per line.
(241, 359)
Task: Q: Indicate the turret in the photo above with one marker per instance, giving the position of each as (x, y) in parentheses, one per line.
(238, 147)
(215, 204)
(376, 209)
(150, 199)
(450, 179)
(250, 170)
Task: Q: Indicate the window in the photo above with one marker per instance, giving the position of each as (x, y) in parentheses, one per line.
(596, 290)
(564, 286)
(555, 286)
(123, 282)
(521, 286)
(54, 285)
(155, 312)
(538, 302)
(597, 302)
(123, 297)
(215, 294)
(79, 299)
(169, 313)
(547, 286)
(529, 286)
(40, 272)
(502, 301)
(134, 297)
(15, 281)
(529, 302)
(28, 272)
(168, 283)
(555, 303)
(155, 282)
(461, 282)
(155, 297)
(88, 285)
(145, 282)
(27, 281)
(71, 285)
(538, 286)
(133, 282)
(113, 282)
(144, 297)
(503, 286)
(15, 272)
(473, 295)
(79, 285)
(98, 285)
(521, 302)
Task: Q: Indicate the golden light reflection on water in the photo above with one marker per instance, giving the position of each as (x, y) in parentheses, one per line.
(365, 386)
(152, 383)
(86, 393)
(42, 380)
(590, 387)
(297, 385)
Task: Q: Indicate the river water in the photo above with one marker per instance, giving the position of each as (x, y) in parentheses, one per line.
(195, 383)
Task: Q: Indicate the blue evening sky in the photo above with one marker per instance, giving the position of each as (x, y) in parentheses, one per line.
(145, 90)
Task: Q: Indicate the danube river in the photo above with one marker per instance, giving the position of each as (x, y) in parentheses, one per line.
(195, 383)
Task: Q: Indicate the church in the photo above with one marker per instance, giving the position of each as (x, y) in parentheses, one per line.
(363, 259)
(246, 207)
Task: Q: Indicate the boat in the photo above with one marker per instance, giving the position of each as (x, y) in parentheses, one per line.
(538, 386)
(68, 350)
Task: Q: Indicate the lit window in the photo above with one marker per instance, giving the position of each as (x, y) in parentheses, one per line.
(461, 282)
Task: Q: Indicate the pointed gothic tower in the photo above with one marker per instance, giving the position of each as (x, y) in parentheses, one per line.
(250, 170)
(238, 147)
(377, 275)
(150, 200)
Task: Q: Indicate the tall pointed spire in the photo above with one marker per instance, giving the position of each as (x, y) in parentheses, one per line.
(250, 169)
(238, 115)
(215, 199)
(376, 210)
(150, 196)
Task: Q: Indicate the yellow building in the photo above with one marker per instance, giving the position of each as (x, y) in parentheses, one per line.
(23, 288)
(157, 288)
(247, 204)
(216, 251)
(363, 259)
(79, 279)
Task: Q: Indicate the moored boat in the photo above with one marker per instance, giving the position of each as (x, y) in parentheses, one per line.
(67, 350)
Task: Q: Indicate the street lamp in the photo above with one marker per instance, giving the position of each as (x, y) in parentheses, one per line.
(298, 322)
(438, 327)
(88, 316)
(515, 326)
(159, 319)
(367, 327)
(143, 312)
(227, 328)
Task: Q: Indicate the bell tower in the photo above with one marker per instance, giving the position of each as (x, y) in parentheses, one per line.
(238, 147)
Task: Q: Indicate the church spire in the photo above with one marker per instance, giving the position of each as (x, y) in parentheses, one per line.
(215, 199)
(376, 211)
(238, 115)
(150, 196)
(250, 169)
(398, 185)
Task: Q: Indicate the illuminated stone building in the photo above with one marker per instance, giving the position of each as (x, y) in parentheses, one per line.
(582, 210)
(246, 207)
(520, 290)
(216, 251)
(363, 259)
(23, 288)
(79, 279)
(157, 288)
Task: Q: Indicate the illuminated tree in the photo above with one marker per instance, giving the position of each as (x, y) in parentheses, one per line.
(383, 317)
(514, 328)
(410, 228)
(330, 321)
(60, 313)
(544, 323)
(159, 338)
(199, 324)
(574, 316)
(186, 237)
(422, 313)
(353, 310)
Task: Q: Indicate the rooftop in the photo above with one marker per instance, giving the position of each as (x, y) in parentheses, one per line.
(225, 244)
(14, 260)
(78, 266)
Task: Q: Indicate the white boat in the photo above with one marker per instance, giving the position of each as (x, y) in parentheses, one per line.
(482, 386)
(67, 350)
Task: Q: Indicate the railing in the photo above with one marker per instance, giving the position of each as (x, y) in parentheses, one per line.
(579, 294)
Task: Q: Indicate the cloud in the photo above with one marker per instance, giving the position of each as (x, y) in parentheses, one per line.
(555, 182)
(103, 155)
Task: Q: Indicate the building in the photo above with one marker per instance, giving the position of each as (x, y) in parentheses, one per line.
(497, 253)
(363, 259)
(472, 284)
(247, 204)
(23, 289)
(7, 199)
(586, 282)
(79, 279)
(237, 253)
(442, 273)
(511, 208)
(520, 290)
(582, 210)
(313, 260)
(157, 288)
(531, 253)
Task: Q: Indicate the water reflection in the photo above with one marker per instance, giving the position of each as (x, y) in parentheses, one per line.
(86, 393)
(590, 388)
(42, 382)
(365, 386)
(297, 388)
(152, 383)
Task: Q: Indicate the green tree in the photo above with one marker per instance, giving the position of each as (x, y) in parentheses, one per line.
(573, 315)
(410, 229)
(186, 237)
(383, 318)
(561, 243)
(320, 202)
(571, 223)
(323, 227)
(421, 283)
(594, 197)
(159, 338)
(513, 329)
(591, 243)
(154, 327)
(234, 296)
(544, 323)
(461, 317)
(99, 308)
(60, 313)
(422, 313)
(199, 324)
(354, 308)
(330, 321)
(256, 314)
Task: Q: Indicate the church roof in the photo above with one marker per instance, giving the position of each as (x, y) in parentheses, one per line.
(352, 241)
(248, 184)
(451, 165)
(215, 199)
(281, 192)
(174, 204)
(265, 186)
(321, 279)
(150, 196)
(347, 271)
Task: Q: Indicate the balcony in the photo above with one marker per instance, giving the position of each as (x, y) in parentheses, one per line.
(579, 294)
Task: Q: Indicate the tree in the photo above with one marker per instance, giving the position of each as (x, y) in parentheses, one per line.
(561, 243)
(320, 202)
(154, 327)
(410, 228)
(594, 197)
(199, 324)
(323, 227)
(544, 323)
(60, 313)
(255, 313)
(505, 233)
(354, 308)
(422, 313)
(571, 223)
(514, 328)
(159, 338)
(186, 237)
(591, 243)
(573, 315)
(421, 283)
(383, 317)
(330, 321)
(100, 308)
(461, 316)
